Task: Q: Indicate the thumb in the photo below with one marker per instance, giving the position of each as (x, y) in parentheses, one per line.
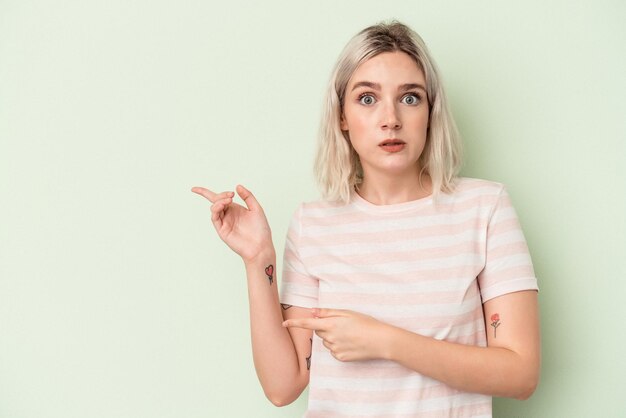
(248, 198)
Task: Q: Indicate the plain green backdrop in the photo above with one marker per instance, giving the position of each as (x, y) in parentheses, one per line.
(117, 299)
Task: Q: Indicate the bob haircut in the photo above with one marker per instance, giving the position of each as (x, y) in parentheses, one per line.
(337, 166)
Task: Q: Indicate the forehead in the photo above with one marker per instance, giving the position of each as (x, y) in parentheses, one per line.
(393, 68)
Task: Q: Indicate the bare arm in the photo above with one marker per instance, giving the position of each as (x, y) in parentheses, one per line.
(279, 354)
(508, 366)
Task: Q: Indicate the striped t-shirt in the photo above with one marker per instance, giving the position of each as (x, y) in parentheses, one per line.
(423, 266)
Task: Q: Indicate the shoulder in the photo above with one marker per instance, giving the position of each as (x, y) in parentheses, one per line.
(321, 208)
(477, 187)
(322, 212)
(471, 195)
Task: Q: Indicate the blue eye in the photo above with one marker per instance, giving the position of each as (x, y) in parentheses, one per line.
(366, 99)
(411, 99)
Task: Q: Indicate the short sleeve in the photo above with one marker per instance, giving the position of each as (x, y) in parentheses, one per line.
(508, 266)
(298, 287)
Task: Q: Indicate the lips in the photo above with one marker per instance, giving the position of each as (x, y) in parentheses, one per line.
(391, 142)
(392, 145)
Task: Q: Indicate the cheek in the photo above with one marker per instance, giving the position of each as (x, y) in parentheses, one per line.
(354, 119)
(417, 124)
(358, 123)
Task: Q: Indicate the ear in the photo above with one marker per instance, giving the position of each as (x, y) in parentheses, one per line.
(343, 124)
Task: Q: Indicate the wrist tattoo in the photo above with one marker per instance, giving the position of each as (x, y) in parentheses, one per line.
(495, 323)
(308, 359)
(285, 306)
(269, 270)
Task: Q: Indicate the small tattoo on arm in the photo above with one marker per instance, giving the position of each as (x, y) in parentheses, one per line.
(285, 306)
(308, 359)
(495, 323)
(269, 270)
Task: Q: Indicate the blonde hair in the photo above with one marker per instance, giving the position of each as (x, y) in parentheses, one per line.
(337, 166)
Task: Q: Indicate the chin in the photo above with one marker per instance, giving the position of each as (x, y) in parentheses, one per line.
(400, 166)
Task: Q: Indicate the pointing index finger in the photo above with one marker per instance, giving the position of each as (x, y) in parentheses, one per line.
(204, 192)
(306, 323)
(327, 312)
(211, 196)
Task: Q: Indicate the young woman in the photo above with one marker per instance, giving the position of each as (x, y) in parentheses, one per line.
(407, 291)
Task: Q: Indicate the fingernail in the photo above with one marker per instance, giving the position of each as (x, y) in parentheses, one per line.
(285, 324)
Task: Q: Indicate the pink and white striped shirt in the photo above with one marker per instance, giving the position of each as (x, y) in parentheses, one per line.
(421, 266)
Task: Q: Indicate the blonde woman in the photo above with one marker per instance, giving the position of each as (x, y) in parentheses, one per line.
(407, 291)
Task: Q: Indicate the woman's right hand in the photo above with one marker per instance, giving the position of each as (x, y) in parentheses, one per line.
(244, 230)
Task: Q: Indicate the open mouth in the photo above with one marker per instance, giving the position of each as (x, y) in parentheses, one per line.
(392, 145)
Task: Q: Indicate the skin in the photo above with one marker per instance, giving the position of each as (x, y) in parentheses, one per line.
(386, 98)
(281, 356)
(508, 366)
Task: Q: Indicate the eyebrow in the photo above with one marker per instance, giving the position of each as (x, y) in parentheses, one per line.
(376, 86)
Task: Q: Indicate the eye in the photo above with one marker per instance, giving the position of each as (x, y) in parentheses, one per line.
(411, 99)
(366, 99)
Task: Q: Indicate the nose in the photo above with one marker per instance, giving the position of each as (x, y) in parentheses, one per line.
(390, 117)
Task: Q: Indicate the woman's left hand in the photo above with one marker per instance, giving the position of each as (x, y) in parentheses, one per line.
(349, 335)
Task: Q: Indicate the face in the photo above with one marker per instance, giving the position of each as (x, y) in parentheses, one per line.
(386, 114)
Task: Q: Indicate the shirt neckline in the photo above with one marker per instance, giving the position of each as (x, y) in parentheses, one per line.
(370, 207)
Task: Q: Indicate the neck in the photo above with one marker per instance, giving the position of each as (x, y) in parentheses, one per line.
(389, 189)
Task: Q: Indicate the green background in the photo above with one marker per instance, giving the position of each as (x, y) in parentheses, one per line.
(117, 299)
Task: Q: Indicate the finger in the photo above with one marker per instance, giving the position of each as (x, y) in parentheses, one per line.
(221, 205)
(204, 192)
(211, 196)
(248, 197)
(326, 312)
(224, 195)
(217, 211)
(216, 218)
(327, 344)
(305, 323)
